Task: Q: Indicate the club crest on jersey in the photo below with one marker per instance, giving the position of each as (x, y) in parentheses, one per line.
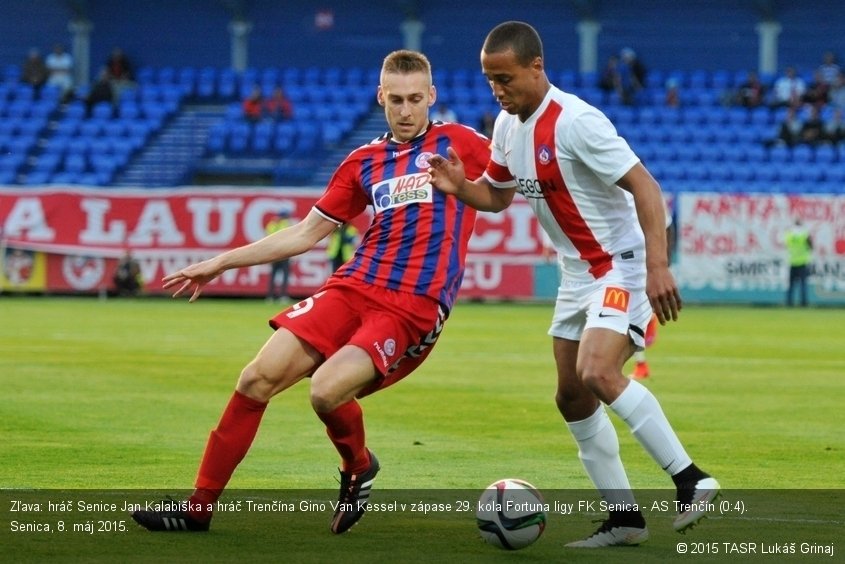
(616, 298)
(422, 160)
(401, 191)
(544, 154)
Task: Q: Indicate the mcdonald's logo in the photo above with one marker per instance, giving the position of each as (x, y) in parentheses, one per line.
(616, 298)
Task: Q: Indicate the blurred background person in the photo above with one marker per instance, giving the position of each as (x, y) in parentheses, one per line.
(60, 68)
(342, 244)
(253, 105)
(799, 247)
(127, 276)
(34, 70)
(278, 106)
(277, 285)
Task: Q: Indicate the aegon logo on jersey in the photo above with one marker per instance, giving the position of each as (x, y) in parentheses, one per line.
(401, 191)
(535, 187)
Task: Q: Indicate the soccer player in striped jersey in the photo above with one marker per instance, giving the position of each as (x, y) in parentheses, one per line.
(604, 213)
(377, 317)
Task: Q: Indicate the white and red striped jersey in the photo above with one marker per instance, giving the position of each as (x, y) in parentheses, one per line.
(566, 159)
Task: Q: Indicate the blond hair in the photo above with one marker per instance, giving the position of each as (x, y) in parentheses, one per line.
(404, 61)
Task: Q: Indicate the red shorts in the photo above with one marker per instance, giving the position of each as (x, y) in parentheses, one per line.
(396, 329)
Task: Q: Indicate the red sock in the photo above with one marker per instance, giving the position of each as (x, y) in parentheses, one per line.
(227, 445)
(345, 427)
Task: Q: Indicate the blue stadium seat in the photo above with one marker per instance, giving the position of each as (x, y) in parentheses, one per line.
(227, 84)
(688, 152)
(744, 173)
(102, 111)
(166, 75)
(756, 153)
(803, 154)
(669, 116)
(711, 152)
(47, 163)
(780, 154)
(812, 172)
(37, 177)
(825, 154)
(353, 77)
(186, 80)
(791, 172)
(75, 163)
(145, 75)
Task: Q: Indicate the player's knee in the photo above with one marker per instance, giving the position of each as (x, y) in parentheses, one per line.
(575, 403)
(256, 382)
(600, 380)
(323, 400)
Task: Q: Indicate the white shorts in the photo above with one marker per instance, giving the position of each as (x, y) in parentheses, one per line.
(616, 301)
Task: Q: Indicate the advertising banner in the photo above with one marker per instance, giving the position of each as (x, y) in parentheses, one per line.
(73, 238)
(731, 246)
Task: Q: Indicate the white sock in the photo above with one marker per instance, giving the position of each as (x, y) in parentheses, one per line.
(598, 449)
(638, 407)
(639, 356)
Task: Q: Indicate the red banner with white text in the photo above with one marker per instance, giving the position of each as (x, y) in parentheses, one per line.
(69, 240)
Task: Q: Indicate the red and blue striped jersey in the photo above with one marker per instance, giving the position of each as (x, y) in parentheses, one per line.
(417, 241)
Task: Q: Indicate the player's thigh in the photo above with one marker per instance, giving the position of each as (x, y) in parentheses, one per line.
(283, 361)
(341, 378)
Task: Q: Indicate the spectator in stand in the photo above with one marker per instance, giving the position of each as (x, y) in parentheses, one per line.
(790, 128)
(789, 89)
(119, 71)
(278, 106)
(752, 92)
(817, 91)
(444, 113)
(834, 129)
(60, 67)
(836, 94)
(812, 132)
(673, 94)
(253, 105)
(610, 81)
(101, 91)
(34, 71)
(829, 69)
(632, 73)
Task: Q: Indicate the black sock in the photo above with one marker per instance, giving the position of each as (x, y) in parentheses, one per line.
(688, 476)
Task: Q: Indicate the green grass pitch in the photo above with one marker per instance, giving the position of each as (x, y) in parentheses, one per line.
(113, 400)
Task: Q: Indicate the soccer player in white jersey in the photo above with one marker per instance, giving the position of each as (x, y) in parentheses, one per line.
(566, 158)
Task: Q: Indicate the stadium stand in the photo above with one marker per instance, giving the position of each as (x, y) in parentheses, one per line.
(183, 120)
(176, 119)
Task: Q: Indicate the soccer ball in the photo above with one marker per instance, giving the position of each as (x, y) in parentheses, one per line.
(511, 514)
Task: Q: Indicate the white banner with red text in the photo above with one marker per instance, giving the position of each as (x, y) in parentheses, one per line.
(731, 246)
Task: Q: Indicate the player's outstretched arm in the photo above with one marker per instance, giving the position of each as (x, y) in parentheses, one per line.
(661, 287)
(280, 245)
(448, 175)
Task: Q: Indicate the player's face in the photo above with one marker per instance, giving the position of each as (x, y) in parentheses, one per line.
(406, 99)
(518, 89)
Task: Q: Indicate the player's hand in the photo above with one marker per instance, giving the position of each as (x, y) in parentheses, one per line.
(663, 294)
(198, 275)
(447, 173)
